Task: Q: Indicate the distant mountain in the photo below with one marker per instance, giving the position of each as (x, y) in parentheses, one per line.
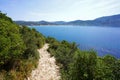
(59, 22)
(108, 20)
(30, 23)
(102, 21)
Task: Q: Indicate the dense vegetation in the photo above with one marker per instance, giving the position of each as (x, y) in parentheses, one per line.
(18, 55)
(18, 49)
(83, 65)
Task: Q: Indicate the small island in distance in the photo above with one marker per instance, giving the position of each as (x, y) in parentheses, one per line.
(113, 20)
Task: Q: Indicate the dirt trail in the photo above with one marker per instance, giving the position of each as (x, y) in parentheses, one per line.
(47, 68)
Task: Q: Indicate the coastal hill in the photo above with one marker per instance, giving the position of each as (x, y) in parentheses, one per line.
(113, 20)
(26, 54)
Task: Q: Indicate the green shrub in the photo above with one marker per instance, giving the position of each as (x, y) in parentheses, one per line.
(18, 49)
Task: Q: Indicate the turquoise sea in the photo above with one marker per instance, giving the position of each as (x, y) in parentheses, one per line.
(104, 40)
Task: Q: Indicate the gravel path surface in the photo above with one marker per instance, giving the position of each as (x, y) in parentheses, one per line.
(47, 68)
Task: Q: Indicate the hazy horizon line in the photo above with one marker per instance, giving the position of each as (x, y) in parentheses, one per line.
(65, 20)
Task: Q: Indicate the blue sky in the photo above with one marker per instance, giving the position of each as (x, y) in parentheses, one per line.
(57, 10)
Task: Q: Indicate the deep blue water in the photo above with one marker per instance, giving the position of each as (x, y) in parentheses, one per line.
(104, 40)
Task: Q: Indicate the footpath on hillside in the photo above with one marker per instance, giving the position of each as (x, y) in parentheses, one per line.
(47, 68)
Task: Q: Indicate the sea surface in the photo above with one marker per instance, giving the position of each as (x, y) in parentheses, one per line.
(104, 40)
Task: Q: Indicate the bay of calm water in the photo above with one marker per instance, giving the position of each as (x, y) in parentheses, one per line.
(104, 40)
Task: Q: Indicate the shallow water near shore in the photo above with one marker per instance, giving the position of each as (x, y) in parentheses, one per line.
(104, 40)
